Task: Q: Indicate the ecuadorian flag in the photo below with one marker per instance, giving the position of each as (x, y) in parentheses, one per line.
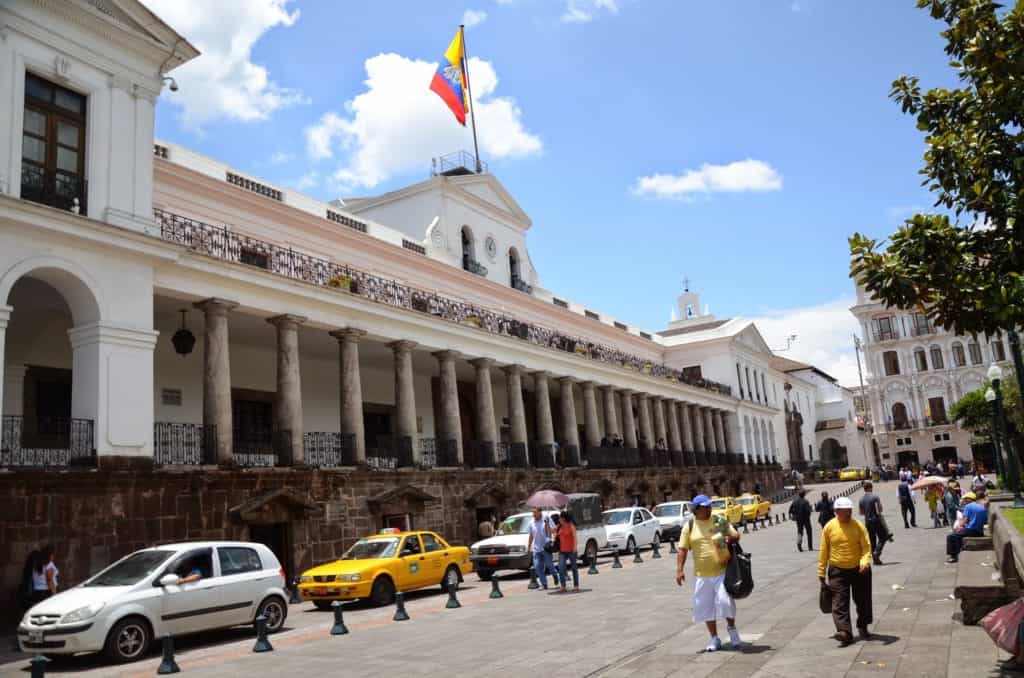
(449, 81)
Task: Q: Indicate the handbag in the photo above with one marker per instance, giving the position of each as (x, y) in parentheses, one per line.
(739, 576)
(825, 599)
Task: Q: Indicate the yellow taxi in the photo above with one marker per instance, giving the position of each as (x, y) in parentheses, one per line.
(727, 506)
(754, 506)
(377, 566)
(853, 473)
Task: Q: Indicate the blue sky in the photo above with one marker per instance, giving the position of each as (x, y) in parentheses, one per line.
(785, 101)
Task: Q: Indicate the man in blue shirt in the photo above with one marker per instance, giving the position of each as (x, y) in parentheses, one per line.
(540, 535)
(975, 517)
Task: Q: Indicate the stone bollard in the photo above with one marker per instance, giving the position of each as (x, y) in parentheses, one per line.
(495, 591)
(293, 593)
(655, 549)
(453, 600)
(400, 613)
(636, 555)
(616, 563)
(167, 663)
(262, 644)
(339, 628)
(534, 584)
(593, 565)
(39, 663)
(672, 546)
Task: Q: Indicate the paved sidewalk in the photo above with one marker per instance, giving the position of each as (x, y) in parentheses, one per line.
(629, 622)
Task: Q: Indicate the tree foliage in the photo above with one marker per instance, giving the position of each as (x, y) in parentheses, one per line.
(968, 277)
(974, 413)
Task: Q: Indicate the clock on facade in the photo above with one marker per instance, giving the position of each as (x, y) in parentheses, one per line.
(491, 246)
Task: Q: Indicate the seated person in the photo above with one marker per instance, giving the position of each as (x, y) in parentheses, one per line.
(189, 572)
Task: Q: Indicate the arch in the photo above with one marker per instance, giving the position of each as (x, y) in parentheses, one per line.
(832, 454)
(468, 247)
(959, 357)
(515, 276)
(79, 289)
(900, 420)
(935, 353)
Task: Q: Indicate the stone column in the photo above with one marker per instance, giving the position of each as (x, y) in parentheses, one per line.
(591, 429)
(686, 422)
(449, 436)
(628, 421)
(405, 403)
(611, 419)
(217, 375)
(727, 434)
(518, 454)
(12, 383)
(716, 421)
(353, 444)
(646, 429)
(486, 428)
(709, 436)
(543, 456)
(699, 446)
(675, 441)
(288, 398)
(5, 318)
(660, 432)
(570, 431)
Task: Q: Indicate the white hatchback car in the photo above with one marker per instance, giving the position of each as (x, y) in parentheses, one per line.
(176, 589)
(626, 528)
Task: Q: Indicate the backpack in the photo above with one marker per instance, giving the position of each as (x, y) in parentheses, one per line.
(739, 577)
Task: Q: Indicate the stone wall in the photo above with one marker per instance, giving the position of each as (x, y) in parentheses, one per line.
(94, 517)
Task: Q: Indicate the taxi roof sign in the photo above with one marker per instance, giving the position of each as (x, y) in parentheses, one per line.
(390, 530)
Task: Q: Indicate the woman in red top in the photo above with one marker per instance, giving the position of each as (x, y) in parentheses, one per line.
(567, 551)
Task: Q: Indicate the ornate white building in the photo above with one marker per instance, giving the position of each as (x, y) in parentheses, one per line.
(914, 373)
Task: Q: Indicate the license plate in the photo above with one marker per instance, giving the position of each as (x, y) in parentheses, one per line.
(492, 561)
(320, 591)
(35, 636)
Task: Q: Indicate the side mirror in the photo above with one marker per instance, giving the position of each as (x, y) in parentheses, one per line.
(169, 580)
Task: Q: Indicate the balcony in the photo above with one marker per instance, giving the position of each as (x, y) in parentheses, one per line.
(46, 442)
(177, 444)
(885, 335)
(916, 331)
(54, 189)
(901, 425)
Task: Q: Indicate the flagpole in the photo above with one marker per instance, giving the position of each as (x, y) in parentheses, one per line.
(469, 91)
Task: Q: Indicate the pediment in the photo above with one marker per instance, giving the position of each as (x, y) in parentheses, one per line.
(484, 190)
(750, 337)
(113, 10)
(490, 489)
(274, 506)
(400, 493)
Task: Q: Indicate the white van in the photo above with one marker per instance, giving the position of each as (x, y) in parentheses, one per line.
(506, 550)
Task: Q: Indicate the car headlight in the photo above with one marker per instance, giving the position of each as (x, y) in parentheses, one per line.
(82, 613)
(517, 549)
(354, 577)
(474, 550)
(305, 579)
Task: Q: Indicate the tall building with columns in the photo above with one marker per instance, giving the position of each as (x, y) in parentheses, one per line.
(914, 372)
(202, 354)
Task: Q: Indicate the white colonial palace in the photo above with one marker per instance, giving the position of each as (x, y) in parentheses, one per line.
(161, 308)
(915, 372)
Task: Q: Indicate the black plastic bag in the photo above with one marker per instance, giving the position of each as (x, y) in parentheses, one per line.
(739, 576)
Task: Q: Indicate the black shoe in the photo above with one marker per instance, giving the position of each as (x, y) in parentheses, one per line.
(844, 637)
(864, 633)
(799, 548)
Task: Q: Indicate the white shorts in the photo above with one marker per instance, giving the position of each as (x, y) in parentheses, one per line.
(711, 601)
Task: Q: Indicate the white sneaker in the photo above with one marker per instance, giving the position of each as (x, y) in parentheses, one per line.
(714, 645)
(734, 636)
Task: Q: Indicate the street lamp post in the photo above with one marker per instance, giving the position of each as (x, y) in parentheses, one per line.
(995, 375)
(990, 396)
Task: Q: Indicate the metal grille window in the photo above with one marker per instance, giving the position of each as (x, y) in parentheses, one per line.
(937, 362)
(959, 359)
(53, 145)
(975, 350)
(920, 360)
(892, 363)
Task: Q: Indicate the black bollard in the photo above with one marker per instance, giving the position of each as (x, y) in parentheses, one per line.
(593, 565)
(400, 613)
(495, 591)
(167, 663)
(339, 628)
(672, 545)
(655, 549)
(453, 600)
(293, 593)
(534, 584)
(262, 644)
(616, 563)
(636, 555)
(39, 663)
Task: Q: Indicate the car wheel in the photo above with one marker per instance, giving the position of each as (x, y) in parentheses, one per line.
(323, 604)
(128, 640)
(485, 575)
(590, 553)
(451, 579)
(631, 546)
(383, 591)
(275, 611)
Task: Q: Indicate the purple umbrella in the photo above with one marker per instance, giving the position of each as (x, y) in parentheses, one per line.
(547, 499)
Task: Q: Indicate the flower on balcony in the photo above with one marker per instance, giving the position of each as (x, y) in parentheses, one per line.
(472, 321)
(581, 349)
(340, 282)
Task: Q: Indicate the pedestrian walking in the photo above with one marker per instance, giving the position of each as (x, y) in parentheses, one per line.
(906, 502)
(871, 508)
(44, 575)
(485, 529)
(824, 509)
(931, 496)
(538, 544)
(951, 502)
(800, 513)
(709, 540)
(844, 564)
(971, 523)
(567, 552)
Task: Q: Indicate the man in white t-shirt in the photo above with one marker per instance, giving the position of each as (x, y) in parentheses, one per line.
(540, 535)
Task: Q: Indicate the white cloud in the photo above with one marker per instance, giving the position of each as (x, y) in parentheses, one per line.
(739, 176)
(397, 124)
(280, 157)
(223, 83)
(583, 11)
(305, 182)
(473, 17)
(824, 336)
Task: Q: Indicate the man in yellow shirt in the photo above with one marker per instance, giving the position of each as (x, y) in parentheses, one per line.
(709, 542)
(844, 563)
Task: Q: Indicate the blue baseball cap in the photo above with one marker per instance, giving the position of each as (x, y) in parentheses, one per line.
(701, 500)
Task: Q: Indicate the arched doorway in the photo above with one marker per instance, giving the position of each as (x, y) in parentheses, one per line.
(943, 454)
(907, 459)
(899, 416)
(833, 455)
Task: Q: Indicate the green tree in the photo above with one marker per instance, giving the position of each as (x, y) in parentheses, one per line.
(974, 413)
(967, 277)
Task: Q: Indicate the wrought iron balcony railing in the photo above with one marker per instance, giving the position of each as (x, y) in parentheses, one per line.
(184, 444)
(45, 442)
(54, 189)
(329, 449)
(224, 244)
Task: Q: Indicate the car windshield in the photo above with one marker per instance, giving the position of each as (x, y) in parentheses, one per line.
(516, 524)
(746, 501)
(718, 503)
(131, 570)
(372, 548)
(617, 517)
(666, 510)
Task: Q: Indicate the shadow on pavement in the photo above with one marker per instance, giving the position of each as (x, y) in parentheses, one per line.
(881, 638)
(752, 649)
